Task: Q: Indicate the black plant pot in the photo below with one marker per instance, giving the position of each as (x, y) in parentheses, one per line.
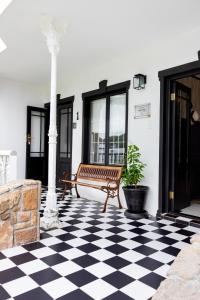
(135, 200)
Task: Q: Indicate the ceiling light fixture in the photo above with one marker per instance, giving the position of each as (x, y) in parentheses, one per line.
(2, 45)
(3, 5)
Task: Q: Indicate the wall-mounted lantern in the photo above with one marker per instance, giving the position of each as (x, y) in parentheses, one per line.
(139, 81)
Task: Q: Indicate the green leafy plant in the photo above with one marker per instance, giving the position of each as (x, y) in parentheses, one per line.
(133, 172)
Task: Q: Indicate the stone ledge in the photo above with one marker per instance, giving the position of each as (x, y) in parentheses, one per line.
(19, 213)
(13, 185)
(183, 277)
(3, 190)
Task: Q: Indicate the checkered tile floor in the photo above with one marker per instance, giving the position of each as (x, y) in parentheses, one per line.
(93, 256)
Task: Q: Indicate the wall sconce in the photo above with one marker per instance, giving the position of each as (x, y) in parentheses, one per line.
(139, 81)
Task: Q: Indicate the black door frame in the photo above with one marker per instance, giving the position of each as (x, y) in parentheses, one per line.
(165, 77)
(28, 167)
(47, 106)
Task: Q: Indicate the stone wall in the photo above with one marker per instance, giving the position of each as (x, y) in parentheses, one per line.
(19, 213)
(183, 278)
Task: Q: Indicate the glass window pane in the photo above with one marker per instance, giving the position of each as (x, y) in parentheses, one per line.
(117, 129)
(97, 131)
(63, 133)
(36, 154)
(69, 131)
(35, 133)
(37, 113)
(63, 155)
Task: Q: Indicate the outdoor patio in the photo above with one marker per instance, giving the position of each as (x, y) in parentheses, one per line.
(96, 97)
(93, 256)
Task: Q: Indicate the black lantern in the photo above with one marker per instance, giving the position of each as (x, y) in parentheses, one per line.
(139, 81)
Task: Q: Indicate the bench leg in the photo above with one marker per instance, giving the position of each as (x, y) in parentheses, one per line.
(105, 204)
(120, 205)
(64, 193)
(77, 193)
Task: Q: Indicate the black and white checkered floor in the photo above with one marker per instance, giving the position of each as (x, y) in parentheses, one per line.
(93, 256)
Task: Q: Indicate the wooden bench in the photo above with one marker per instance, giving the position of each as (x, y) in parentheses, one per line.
(107, 179)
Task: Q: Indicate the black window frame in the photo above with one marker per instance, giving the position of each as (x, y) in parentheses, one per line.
(106, 92)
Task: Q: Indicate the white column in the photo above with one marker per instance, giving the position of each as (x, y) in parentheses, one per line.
(8, 166)
(50, 219)
(3, 168)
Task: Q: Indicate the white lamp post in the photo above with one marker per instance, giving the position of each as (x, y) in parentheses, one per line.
(53, 32)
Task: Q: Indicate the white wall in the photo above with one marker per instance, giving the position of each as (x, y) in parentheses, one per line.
(143, 132)
(14, 99)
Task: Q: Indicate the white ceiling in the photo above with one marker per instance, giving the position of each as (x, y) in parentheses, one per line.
(99, 30)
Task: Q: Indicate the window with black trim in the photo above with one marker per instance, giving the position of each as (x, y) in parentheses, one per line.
(105, 124)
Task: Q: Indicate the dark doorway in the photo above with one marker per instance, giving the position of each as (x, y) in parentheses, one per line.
(35, 144)
(37, 162)
(179, 175)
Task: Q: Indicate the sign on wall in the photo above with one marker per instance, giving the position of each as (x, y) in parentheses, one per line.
(142, 111)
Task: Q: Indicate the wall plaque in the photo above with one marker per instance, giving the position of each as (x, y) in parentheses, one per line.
(142, 111)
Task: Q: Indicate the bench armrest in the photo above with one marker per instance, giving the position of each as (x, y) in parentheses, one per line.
(66, 175)
(110, 180)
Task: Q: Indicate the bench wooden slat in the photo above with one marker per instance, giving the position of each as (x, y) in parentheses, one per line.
(99, 173)
(100, 187)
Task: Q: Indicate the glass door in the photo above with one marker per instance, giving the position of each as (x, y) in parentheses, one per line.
(64, 141)
(179, 149)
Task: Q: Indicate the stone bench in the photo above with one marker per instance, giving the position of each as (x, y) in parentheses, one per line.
(19, 213)
(183, 278)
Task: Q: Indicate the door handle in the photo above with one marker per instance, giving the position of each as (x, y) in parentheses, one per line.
(29, 139)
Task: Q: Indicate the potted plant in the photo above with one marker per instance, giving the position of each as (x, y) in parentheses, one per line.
(135, 194)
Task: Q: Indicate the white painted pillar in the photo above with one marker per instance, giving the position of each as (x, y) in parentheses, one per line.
(50, 219)
(4, 160)
(8, 166)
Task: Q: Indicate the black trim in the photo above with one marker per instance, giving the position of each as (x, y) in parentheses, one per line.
(181, 71)
(165, 76)
(189, 220)
(103, 84)
(61, 101)
(198, 54)
(103, 91)
(107, 92)
(107, 130)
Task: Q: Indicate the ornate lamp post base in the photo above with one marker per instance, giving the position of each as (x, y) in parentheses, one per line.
(50, 219)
